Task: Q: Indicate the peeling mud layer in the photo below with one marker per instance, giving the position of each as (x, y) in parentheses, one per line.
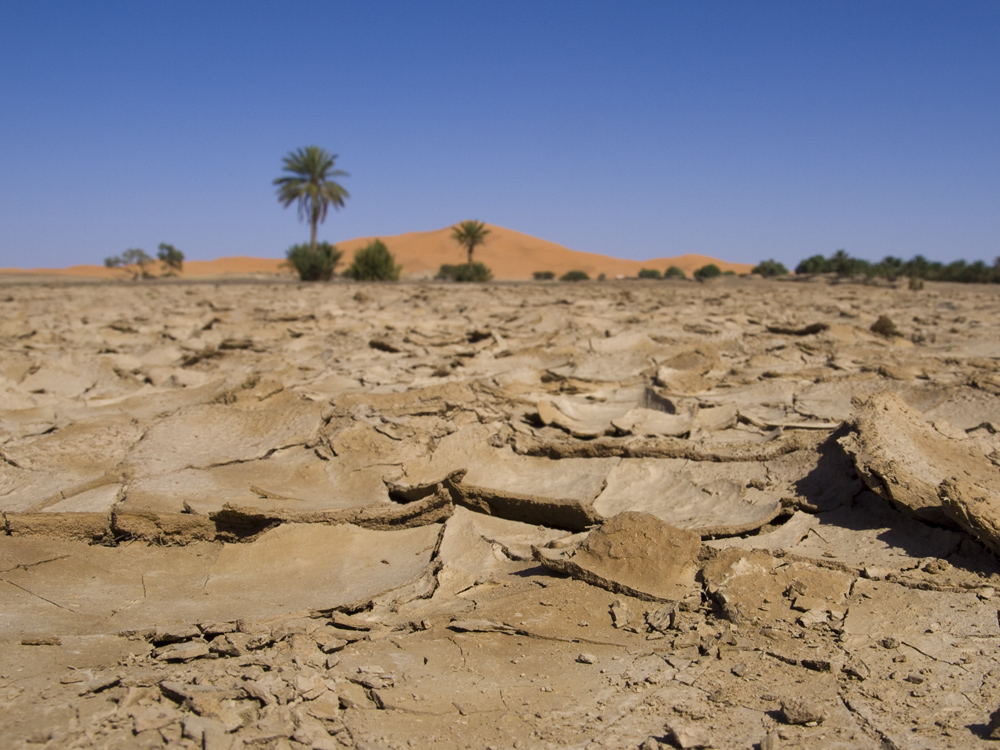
(621, 515)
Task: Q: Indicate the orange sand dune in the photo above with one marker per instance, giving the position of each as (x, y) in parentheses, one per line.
(511, 255)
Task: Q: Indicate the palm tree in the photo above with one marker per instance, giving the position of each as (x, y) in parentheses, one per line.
(311, 184)
(470, 234)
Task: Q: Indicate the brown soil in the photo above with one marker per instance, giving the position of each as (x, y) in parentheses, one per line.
(620, 514)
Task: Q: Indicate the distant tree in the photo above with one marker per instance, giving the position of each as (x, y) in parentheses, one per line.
(574, 276)
(544, 275)
(171, 258)
(373, 262)
(470, 235)
(311, 184)
(464, 272)
(976, 272)
(649, 273)
(841, 263)
(133, 260)
(770, 267)
(709, 271)
(889, 267)
(313, 265)
(674, 273)
(814, 264)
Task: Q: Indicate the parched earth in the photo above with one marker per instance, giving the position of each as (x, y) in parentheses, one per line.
(738, 514)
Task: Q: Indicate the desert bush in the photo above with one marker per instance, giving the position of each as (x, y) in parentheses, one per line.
(814, 264)
(373, 262)
(464, 272)
(133, 260)
(312, 265)
(602, 277)
(916, 284)
(544, 275)
(770, 267)
(574, 276)
(674, 273)
(709, 271)
(892, 268)
(649, 273)
(171, 258)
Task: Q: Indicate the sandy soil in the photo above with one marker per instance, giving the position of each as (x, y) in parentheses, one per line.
(536, 515)
(511, 256)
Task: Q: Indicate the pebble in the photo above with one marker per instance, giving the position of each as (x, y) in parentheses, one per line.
(587, 659)
(802, 711)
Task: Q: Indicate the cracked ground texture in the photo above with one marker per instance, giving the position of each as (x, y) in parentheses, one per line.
(261, 514)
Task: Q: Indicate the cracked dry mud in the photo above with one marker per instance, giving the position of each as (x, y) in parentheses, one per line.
(622, 515)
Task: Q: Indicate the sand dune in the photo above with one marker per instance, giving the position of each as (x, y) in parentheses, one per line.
(511, 255)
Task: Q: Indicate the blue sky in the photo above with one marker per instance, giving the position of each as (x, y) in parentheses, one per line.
(743, 130)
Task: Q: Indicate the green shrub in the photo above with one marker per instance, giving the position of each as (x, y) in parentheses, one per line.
(171, 258)
(674, 273)
(770, 267)
(373, 262)
(464, 272)
(574, 276)
(602, 277)
(544, 275)
(133, 260)
(649, 273)
(313, 266)
(814, 264)
(708, 272)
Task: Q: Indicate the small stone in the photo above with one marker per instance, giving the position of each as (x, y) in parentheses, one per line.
(182, 651)
(587, 659)
(328, 643)
(688, 736)
(176, 634)
(890, 642)
(993, 730)
(802, 711)
(771, 742)
(663, 618)
(621, 615)
(213, 629)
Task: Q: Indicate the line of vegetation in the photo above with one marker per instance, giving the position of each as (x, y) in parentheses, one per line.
(892, 268)
(464, 272)
(136, 262)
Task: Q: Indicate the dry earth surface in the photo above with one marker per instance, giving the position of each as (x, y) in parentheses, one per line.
(604, 515)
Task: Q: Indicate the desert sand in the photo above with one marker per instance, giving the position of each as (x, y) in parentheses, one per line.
(511, 256)
(265, 514)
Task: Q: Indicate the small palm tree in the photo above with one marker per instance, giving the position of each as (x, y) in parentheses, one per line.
(311, 184)
(470, 234)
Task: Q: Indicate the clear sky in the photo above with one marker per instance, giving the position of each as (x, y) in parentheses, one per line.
(742, 130)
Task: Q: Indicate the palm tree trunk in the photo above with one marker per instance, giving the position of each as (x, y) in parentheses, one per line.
(312, 242)
(470, 255)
